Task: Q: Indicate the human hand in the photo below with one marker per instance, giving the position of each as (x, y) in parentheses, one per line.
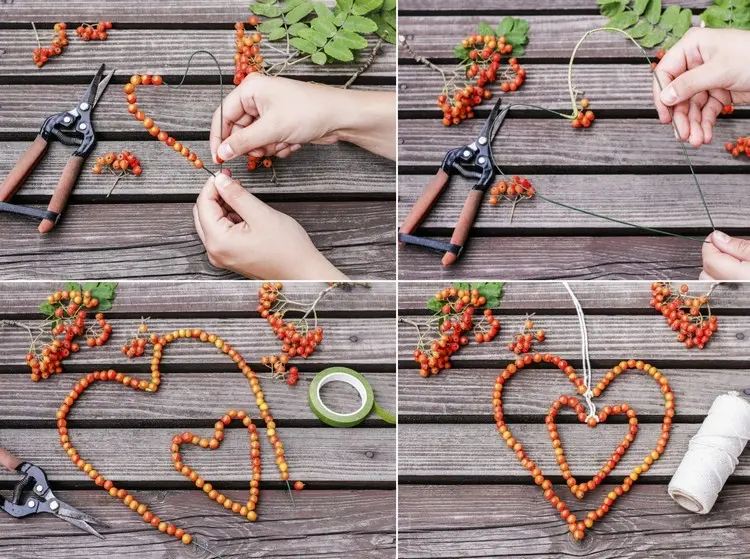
(725, 258)
(244, 235)
(267, 115)
(702, 73)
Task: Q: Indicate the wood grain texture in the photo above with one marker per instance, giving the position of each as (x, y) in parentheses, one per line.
(364, 342)
(322, 523)
(550, 36)
(159, 240)
(559, 257)
(637, 337)
(319, 454)
(637, 199)
(159, 51)
(517, 521)
(154, 298)
(598, 297)
(521, 7)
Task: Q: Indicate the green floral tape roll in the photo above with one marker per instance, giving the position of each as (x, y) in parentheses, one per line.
(360, 384)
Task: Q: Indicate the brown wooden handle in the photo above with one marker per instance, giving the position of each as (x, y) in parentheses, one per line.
(9, 461)
(24, 166)
(465, 221)
(426, 200)
(62, 192)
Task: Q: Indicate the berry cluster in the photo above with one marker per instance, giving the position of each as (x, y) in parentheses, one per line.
(138, 344)
(96, 32)
(659, 56)
(741, 147)
(42, 54)
(513, 190)
(684, 314)
(125, 162)
(524, 340)
(728, 109)
(148, 122)
(97, 337)
(584, 117)
(256, 162)
(248, 58)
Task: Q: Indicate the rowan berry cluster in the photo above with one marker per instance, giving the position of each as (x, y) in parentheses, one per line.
(97, 337)
(727, 109)
(684, 314)
(741, 147)
(247, 58)
(659, 56)
(584, 118)
(124, 161)
(526, 338)
(96, 32)
(42, 54)
(256, 162)
(138, 344)
(513, 190)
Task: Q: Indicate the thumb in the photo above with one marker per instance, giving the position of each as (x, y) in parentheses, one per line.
(264, 131)
(739, 248)
(683, 87)
(247, 206)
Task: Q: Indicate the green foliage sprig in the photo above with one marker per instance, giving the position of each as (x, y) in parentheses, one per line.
(645, 21)
(515, 31)
(105, 292)
(728, 13)
(490, 290)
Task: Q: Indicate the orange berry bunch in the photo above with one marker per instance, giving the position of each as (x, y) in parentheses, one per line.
(148, 122)
(525, 339)
(741, 147)
(256, 162)
(584, 118)
(728, 109)
(684, 314)
(659, 56)
(248, 58)
(96, 32)
(513, 190)
(125, 161)
(42, 54)
(97, 337)
(138, 344)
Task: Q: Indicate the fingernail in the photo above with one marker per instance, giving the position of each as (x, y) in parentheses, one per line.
(668, 96)
(257, 153)
(296, 147)
(225, 152)
(721, 237)
(222, 181)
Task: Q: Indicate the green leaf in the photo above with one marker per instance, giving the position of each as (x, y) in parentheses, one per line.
(289, 5)
(316, 37)
(683, 23)
(360, 25)
(641, 29)
(669, 18)
(434, 305)
(319, 58)
(492, 291)
(336, 49)
(267, 1)
(270, 24)
(47, 309)
(276, 34)
(323, 11)
(104, 305)
(669, 43)
(385, 31)
(655, 36)
(351, 40)
(465, 285)
(303, 45)
(296, 28)
(89, 286)
(460, 52)
(323, 26)
(724, 3)
(515, 38)
(389, 5)
(104, 291)
(265, 10)
(299, 12)
(389, 18)
(612, 8)
(345, 5)
(518, 51)
(623, 20)
(505, 25)
(362, 7)
(653, 12)
(640, 6)
(521, 26)
(484, 29)
(72, 286)
(716, 16)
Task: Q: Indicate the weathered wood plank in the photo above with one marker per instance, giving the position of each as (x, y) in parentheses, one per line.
(631, 258)
(317, 454)
(364, 342)
(159, 240)
(183, 398)
(474, 452)
(163, 51)
(637, 199)
(467, 392)
(208, 298)
(309, 174)
(608, 143)
(323, 523)
(520, 7)
(514, 521)
(612, 296)
(550, 36)
(636, 337)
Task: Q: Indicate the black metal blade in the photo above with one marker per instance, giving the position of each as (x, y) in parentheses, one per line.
(90, 95)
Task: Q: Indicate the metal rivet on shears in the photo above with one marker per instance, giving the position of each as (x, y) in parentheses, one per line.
(54, 505)
(482, 140)
(39, 489)
(67, 119)
(467, 153)
(82, 126)
(84, 106)
(31, 504)
(481, 160)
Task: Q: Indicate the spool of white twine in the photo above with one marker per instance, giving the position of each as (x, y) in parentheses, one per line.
(712, 454)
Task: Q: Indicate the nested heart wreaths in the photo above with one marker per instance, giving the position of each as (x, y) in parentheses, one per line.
(578, 527)
(152, 385)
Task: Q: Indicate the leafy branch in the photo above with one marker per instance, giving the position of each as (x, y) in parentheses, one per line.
(645, 21)
(728, 13)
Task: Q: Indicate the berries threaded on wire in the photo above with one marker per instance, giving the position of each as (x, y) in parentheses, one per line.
(94, 32)
(527, 337)
(684, 314)
(513, 190)
(247, 58)
(584, 116)
(741, 147)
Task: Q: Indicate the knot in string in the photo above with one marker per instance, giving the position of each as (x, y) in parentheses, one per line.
(588, 395)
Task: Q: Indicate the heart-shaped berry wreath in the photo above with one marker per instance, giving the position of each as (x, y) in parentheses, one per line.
(578, 527)
(152, 385)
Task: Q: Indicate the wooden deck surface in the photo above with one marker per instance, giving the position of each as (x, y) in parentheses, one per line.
(463, 494)
(343, 196)
(627, 165)
(349, 506)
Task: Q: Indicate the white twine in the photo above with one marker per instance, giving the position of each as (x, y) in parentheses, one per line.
(712, 454)
(588, 395)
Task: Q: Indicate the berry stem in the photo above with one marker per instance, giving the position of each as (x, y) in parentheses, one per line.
(362, 69)
(36, 34)
(420, 59)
